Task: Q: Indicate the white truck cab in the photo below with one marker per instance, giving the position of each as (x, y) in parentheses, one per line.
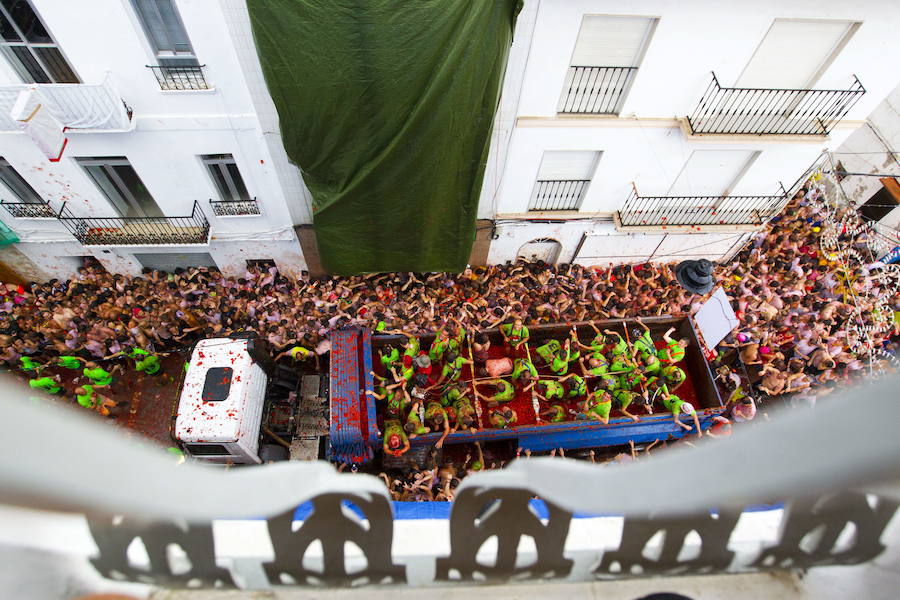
(220, 411)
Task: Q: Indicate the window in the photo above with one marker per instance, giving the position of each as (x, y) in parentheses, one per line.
(606, 57)
(217, 384)
(563, 179)
(121, 185)
(165, 32)
(795, 52)
(226, 176)
(207, 450)
(712, 172)
(18, 186)
(883, 202)
(29, 47)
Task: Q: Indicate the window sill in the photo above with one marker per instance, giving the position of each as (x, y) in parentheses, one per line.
(211, 90)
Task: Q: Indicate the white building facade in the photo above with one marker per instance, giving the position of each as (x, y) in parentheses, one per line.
(666, 131)
(172, 154)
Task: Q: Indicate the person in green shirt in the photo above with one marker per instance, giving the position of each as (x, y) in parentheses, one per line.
(414, 426)
(28, 364)
(501, 418)
(87, 396)
(673, 376)
(393, 398)
(437, 420)
(649, 363)
(440, 345)
(411, 347)
(677, 407)
(453, 367)
(456, 342)
(673, 352)
(615, 346)
(597, 406)
(596, 366)
(621, 364)
(548, 351)
(560, 362)
(395, 440)
(48, 384)
(504, 391)
(99, 377)
(576, 386)
(298, 354)
(389, 356)
(69, 362)
(454, 393)
(555, 413)
(552, 390)
(623, 399)
(643, 343)
(466, 417)
(515, 334)
(524, 369)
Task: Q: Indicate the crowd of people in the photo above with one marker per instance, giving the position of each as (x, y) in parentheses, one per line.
(810, 315)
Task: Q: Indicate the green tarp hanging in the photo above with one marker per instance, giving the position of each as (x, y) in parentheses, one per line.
(387, 106)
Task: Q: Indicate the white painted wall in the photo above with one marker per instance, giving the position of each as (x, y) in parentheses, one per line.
(646, 145)
(694, 38)
(172, 130)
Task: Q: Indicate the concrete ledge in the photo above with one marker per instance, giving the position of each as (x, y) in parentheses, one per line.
(557, 215)
(719, 138)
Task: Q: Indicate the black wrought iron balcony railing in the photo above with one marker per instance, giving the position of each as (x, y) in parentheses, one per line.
(138, 231)
(699, 210)
(596, 90)
(180, 78)
(29, 210)
(235, 208)
(558, 194)
(760, 111)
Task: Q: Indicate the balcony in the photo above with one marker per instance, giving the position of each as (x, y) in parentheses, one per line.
(595, 90)
(172, 79)
(29, 210)
(138, 231)
(77, 106)
(642, 211)
(760, 111)
(560, 194)
(235, 208)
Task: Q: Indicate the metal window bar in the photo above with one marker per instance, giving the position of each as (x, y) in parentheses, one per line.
(558, 194)
(234, 208)
(180, 78)
(699, 210)
(137, 231)
(596, 90)
(29, 210)
(761, 111)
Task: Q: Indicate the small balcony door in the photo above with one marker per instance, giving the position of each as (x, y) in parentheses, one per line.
(121, 185)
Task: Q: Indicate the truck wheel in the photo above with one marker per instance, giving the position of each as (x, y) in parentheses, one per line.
(272, 453)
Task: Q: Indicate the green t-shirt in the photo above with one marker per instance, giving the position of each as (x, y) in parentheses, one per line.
(413, 417)
(390, 358)
(554, 389)
(600, 406)
(676, 351)
(433, 409)
(560, 363)
(514, 335)
(299, 353)
(577, 386)
(624, 397)
(98, 376)
(68, 362)
(393, 427)
(644, 344)
(149, 365)
(438, 347)
(45, 383)
(672, 374)
(521, 366)
(86, 400)
(453, 370)
(450, 396)
(412, 346)
(598, 371)
(620, 346)
(559, 413)
(505, 391)
(673, 404)
(138, 353)
(29, 364)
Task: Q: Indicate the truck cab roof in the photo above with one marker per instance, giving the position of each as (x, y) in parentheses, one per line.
(222, 394)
